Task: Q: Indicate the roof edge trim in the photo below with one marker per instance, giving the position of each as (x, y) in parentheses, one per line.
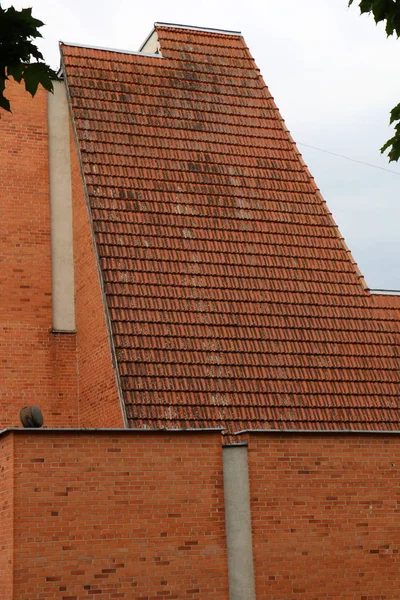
(324, 431)
(107, 430)
(195, 28)
(382, 292)
(119, 51)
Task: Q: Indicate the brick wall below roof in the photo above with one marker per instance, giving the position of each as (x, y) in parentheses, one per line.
(37, 366)
(6, 518)
(99, 404)
(119, 515)
(141, 515)
(325, 514)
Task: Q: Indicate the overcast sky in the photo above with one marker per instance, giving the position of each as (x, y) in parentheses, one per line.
(334, 76)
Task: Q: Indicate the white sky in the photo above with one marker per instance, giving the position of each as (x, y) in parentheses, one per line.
(334, 76)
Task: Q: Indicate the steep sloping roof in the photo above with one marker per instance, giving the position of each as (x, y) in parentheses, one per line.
(232, 296)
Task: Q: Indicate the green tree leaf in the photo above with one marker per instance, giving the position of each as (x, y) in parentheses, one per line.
(18, 30)
(387, 11)
(16, 71)
(383, 10)
(4, 103)
(37, 74)
(395, 114)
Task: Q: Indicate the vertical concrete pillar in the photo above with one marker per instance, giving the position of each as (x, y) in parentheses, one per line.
(238, 523)
(61, 210)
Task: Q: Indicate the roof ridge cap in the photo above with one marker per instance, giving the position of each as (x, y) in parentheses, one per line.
(197, 28)
(104, 49)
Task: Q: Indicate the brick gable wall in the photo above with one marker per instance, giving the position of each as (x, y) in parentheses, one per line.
(99, 404)
(37, 366)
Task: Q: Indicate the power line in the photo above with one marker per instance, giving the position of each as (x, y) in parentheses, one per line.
(360, 162)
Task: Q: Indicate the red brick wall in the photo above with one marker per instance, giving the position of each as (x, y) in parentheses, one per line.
(29, 373)
(140, 516)
(326, 516)
(99, 404)
(6, 518)
(119, 516)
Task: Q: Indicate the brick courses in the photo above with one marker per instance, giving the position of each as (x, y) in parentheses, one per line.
(325, 515)
(99, 404)
(233, 301)
(37, 366)
(140, 515)
(119, 515)
(6, 518)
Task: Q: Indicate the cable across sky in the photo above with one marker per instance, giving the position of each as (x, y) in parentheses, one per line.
(360, 162)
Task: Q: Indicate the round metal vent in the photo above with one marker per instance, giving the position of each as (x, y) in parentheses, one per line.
(31, 416)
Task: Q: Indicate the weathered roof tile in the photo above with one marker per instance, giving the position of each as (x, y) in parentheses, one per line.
(233, 298)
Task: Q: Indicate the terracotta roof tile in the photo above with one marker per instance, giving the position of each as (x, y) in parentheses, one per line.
(232, 296)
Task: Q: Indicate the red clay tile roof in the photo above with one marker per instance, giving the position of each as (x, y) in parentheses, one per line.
(232, 296)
